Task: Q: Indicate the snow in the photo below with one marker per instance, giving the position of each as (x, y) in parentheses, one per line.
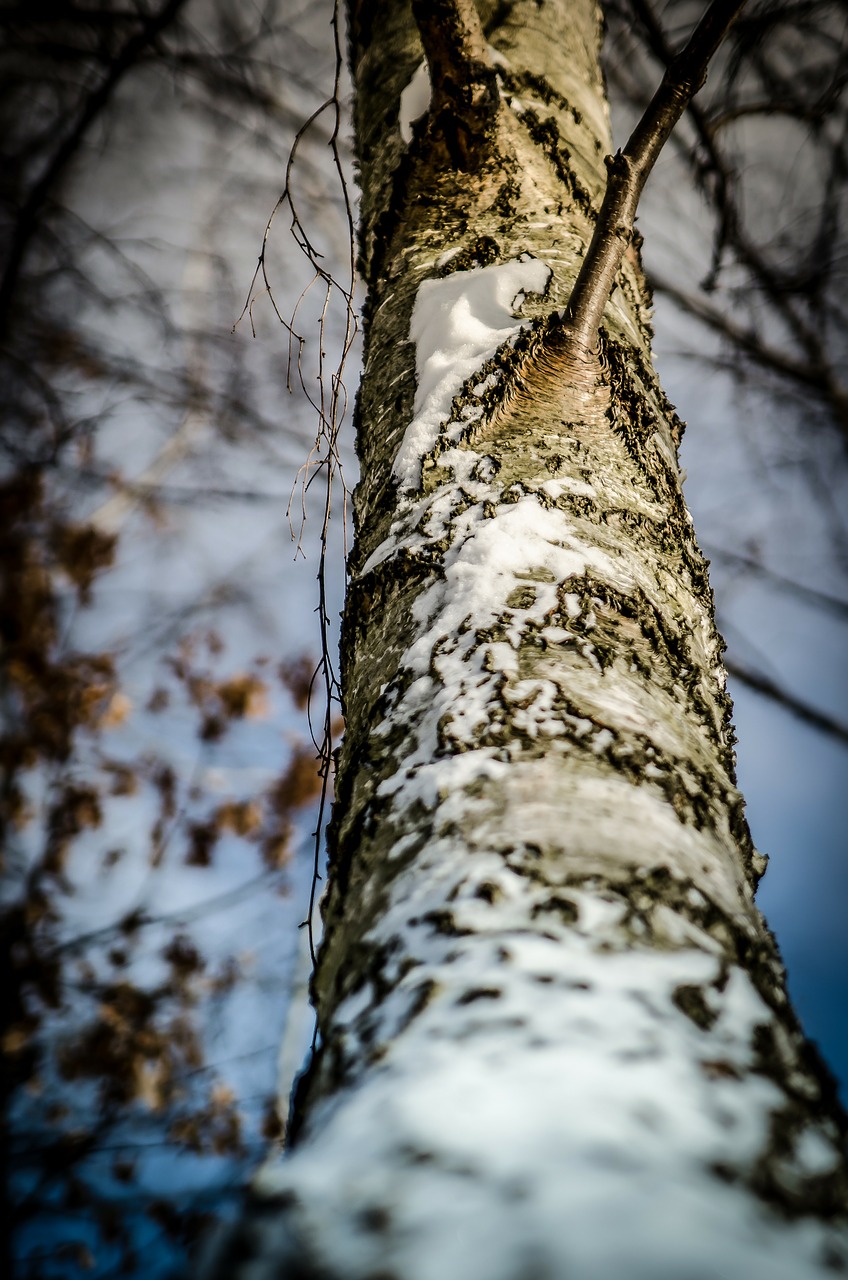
(550, 1110)
(815, 1152)
(563, 1122)
(489, 557)
(414, 101)
(500, 1131)
(524, 544)
(457, 324)
(486, 384)
(448, 256)
(568, 484)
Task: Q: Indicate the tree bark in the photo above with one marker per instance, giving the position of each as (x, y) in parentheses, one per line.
(554, 1033)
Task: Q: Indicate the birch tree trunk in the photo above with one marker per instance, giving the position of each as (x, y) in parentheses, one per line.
(555, 1037)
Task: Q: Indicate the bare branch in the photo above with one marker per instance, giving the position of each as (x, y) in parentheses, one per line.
(465, 90)
(717, 179)
(818, 377)
(453, 41)
(801, 710)
(629, 170)
(27, 221)
(810, 595)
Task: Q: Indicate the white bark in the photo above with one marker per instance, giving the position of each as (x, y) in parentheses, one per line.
(555, 1037)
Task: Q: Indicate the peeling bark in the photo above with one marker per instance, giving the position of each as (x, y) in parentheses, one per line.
(555, 1036)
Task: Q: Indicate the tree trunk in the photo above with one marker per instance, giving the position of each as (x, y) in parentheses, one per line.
(555, 1037)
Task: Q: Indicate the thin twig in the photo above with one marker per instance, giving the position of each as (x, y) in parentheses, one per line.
(330, 405)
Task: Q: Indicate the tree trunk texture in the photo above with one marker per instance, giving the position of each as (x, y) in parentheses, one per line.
(555, 1039)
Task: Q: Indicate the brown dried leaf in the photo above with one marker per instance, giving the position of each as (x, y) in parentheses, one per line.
(241, 817)
(116, 712)
(243, 697)
(297, 677)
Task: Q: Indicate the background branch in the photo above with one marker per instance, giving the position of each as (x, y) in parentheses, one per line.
(802, 710)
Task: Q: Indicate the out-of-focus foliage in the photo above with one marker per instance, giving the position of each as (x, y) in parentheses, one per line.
(124, 734)
(763, 150)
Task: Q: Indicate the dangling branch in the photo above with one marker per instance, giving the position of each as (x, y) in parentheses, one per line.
(629, 170)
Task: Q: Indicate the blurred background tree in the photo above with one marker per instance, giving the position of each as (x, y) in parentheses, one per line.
(159, 776)
(160, 779)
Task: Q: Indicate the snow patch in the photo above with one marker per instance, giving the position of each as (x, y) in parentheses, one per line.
(568, 484)
(454, 677)
(414, 101)
(457, 324)
(816, 1153)
(482, 566)
(547, 1079)
(491, 380)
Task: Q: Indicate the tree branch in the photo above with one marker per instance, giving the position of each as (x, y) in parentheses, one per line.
(465, 91)
(818, 377)
(778, 284)
(809, 595)
(629, 170)
(801, 710)
(453, 40)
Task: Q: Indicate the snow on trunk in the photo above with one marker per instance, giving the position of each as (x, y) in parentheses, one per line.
(555, 1039)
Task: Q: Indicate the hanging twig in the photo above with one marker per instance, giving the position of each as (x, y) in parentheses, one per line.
(330, 404)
